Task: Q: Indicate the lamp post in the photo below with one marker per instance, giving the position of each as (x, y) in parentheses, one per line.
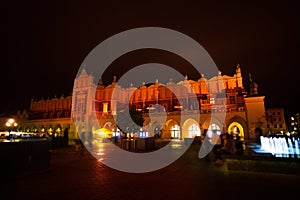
(11, 123)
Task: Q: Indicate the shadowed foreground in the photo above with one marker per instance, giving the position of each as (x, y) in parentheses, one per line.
(78, 175)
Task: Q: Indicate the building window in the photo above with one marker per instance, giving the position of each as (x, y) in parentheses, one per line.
(231, 99)
(212, 101)
(105, 107)
(175, 131)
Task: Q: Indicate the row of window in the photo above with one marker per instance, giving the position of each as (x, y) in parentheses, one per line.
(39, 106)
(274, 119)
(274, 113)
(275, 126)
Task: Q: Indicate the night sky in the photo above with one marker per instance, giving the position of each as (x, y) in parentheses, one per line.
(43, 44)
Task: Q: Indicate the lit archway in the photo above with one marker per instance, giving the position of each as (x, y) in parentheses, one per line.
(213, 128)
(190, 128)
(194, 131)
(170, 129)
(236, 129)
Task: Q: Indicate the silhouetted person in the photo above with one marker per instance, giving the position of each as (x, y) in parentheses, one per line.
(220, 148)
(230, 145)
(258, 133)
(239, 145)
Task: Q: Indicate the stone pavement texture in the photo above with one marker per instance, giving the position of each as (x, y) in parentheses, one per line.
(78, 175)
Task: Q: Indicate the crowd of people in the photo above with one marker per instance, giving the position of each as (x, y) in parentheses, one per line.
(222, 145)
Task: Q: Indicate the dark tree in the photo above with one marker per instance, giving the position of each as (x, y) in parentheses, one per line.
(127, 125)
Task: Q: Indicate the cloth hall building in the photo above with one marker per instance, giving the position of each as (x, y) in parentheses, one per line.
(244, 111)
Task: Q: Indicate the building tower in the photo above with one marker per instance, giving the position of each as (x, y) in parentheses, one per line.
(255, 112)
(82, 108)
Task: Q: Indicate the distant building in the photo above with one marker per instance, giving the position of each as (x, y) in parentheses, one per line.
(51, 115)
(275, 121)
(294, 124)
(245, 112)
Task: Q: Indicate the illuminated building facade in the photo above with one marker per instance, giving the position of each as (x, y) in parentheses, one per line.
(50, 115)
(245, 112)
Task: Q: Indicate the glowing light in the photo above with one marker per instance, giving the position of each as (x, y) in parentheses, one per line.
(104, 133)
(178, 107)
(175, 131)
(150, 108)
(235, 129)
(105, 107)
(143, 134)
(100, 152)
(11, 121)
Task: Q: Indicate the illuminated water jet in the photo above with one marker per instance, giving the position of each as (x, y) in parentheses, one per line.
(281, 146)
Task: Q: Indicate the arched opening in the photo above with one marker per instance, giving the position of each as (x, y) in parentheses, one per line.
(236, 129)
(58, 131)
(194, 131)
(42, 130)
(213, 133)
(190, 128)
(213, 128)
(171, 129)
(50, 130)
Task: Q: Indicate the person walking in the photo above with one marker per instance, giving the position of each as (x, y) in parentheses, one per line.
(230, 146)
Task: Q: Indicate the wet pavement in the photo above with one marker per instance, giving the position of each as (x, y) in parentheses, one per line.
(78, 175)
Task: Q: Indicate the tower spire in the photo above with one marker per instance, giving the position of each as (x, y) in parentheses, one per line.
(100, 81)
(253, 86)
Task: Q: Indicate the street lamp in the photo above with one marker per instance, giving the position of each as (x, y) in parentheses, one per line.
(11, 123)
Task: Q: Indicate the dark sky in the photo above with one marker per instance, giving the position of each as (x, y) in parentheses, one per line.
(44, 43)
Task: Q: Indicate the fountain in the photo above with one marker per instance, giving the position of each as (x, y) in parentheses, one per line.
(273, 153)
(280, 146)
